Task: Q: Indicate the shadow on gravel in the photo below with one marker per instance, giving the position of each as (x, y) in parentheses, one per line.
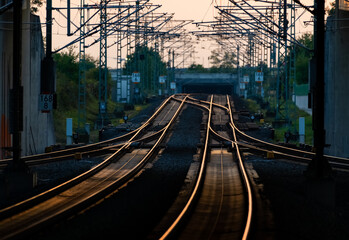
(295, 216)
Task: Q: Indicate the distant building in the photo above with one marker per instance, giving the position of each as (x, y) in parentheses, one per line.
(38, 129)
(300, 97)
(122, 87)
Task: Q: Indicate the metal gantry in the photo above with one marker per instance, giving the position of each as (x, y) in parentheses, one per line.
(135, 25)
(257, 32)
(265, 33)
(103, 70)
(82, 73)
(118, 61)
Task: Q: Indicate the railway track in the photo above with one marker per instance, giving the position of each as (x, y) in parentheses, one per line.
(81, 192)
(202, 216)
(220, 204)
(95, 149)
(267, 149)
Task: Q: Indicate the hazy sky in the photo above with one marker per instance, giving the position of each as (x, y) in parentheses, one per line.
(197, 10)
(188, 9)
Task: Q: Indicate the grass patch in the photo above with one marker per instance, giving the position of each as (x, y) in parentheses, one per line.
(138, 108)
(253, 106)
(294, 114)
(62, 113)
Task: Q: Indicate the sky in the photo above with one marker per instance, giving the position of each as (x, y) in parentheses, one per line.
(196, 10)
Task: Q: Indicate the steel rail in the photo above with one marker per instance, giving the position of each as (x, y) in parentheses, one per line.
(202, 102)
(199, 181)
(96, 194)
(92, 152)
(168, 112)
(245, 177)
(281, 155)
(72, 151)
(53, 191)
(284, 149)
(21, 206)
(195, 104)
(282, 152)
(298, 152)
(208, 103)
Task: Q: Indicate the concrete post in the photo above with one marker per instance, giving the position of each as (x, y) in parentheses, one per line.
(69, 131)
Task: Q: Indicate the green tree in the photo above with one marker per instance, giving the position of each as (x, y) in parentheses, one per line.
(67, 82)
(222, 61)
(149, 64)
(67, 70)
(197, 68)
(302, 58)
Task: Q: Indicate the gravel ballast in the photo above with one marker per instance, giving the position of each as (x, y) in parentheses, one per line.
(296, 214)
(133, 211)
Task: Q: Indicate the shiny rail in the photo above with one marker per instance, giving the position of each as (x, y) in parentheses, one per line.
(278, 150)
(121, 148)
(92, 197)
(90, 148)
(196, 192)
(245, 179)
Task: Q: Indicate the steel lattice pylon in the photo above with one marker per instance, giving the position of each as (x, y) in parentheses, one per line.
(118, 63)
(282, 72)
(82, 72)
(286, 60)
(131, 23)
(292, 50)
(103, 71)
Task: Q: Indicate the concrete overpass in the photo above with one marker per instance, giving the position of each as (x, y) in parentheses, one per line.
(219, 83)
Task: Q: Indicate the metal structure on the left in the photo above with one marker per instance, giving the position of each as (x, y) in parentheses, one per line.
(103, 71)
(82, 73)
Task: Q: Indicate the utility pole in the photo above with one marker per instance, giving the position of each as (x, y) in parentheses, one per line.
(282, 71)
(103, 72)
(48, 65)
(173, 67)
(17, 90)
(169, 75)
(82, 74)
(118, 61)
(319, 166)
